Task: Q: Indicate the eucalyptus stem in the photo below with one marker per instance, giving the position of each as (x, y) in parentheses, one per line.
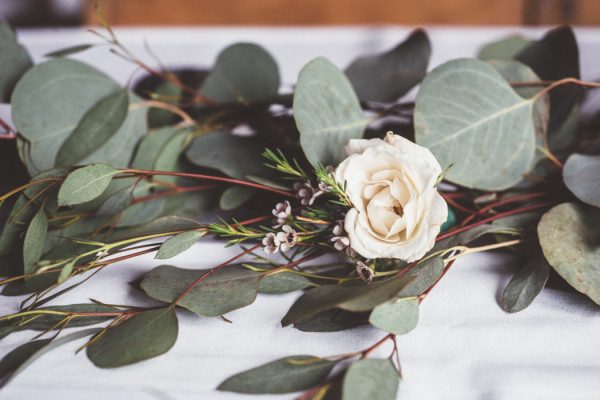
(463, 250)
(493, 218)
(187, 119)
(209, 178)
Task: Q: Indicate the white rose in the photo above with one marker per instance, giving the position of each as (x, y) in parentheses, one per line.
(397, 211)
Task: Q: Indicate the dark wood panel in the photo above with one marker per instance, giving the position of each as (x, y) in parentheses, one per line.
(339, 12)
(310, 12)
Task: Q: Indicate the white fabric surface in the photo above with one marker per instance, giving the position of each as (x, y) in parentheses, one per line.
(465, 347)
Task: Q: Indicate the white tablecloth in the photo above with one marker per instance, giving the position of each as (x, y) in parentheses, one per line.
(465, 347)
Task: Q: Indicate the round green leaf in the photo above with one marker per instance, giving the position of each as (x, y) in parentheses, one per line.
(514, 71)
(15, 61)
(244, 73)
(525, 285)
(96, 127)
(221, 292)
(327, 112)
(398, 316)
(554, 57)
(388, 76)
(373, 379)
(569, 237)
(286, 375)
(357, 297)
(472, 119)
(50, 100)
(503, 49)
(237, 156)
(282, 282)
(143, 336)
(582, 176)
(85, 184)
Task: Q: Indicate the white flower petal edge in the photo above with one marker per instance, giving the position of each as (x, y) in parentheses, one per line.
(397, 212)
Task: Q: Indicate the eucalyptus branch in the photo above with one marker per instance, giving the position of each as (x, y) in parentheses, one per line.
(207, 177)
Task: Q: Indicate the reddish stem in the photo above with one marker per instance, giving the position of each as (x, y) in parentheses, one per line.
(210, 178)
(454, 204)
(255, 220)
(368, 350)
(502, 202)
(492, 218)
(127, 256)
(176, 190)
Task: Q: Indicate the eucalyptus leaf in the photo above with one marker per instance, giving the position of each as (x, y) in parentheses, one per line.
(570, 239)
(283, 282)
(167, 225)
(423, 276)
(503, 49)
(237, 156)
(221, 292)
(373, 379)
(489, 143)
(116, 202)
(168, 93)
(191, 204)
(150, 146)
(178, 244)
(389, 76)
(52, 98)
(554, 57)
(96, 127)
(36, 283)
(354, 297)
(143, 336)
(142, 213)
(286, 375)
(33, 244)
(327, 112)
(334, 320)
(15, 61)
(169, 156)
(66, 271)
(397, 316)
(85, 184)
(18, 220)
(581, 174)
(243, 73)
(67, 51)
(525, 285)
(20, 358)
(514, 71)
(43, 322)
(234, 197)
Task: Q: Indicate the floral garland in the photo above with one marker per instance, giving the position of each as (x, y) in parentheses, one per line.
(491, 155)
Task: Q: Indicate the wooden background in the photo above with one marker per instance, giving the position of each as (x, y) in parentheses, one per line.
(327, 12)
